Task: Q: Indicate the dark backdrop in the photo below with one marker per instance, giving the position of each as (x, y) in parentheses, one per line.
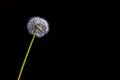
(69, 50)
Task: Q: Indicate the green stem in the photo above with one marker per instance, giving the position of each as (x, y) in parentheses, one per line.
(21, 70)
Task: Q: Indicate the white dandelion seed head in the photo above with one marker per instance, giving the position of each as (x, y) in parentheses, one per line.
(38, 26)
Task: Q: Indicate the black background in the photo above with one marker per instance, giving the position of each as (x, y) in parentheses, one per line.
(67, 51)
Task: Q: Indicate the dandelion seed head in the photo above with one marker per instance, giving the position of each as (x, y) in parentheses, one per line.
(38, 26)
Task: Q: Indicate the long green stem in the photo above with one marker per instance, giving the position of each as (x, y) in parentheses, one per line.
(21, 70)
